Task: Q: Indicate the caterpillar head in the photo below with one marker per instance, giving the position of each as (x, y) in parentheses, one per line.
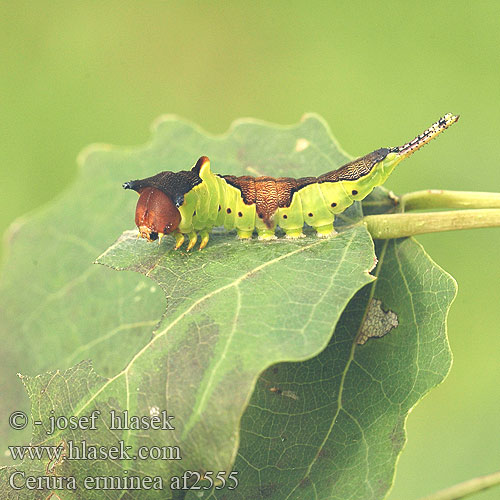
(156, 214)
(160, 197)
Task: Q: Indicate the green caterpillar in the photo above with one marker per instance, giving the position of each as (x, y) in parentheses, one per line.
(193, 202)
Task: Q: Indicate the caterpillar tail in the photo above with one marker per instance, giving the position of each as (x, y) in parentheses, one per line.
(421, 140)
(399, 153)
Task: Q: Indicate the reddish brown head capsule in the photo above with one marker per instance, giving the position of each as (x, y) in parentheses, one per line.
(156, 214)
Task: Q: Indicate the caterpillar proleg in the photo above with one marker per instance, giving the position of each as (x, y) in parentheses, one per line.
(190, 203)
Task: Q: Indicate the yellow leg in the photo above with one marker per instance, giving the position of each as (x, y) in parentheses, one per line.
(193, 237)
(204, 239)
(244, 235)
(325, 231)
(160, 236)
(179, 239)
(266, 234)
(294, 233)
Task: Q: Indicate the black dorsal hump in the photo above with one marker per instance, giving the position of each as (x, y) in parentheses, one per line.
(174, 184)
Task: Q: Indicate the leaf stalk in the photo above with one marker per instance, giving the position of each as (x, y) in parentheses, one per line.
(387, 226)
(440, 198)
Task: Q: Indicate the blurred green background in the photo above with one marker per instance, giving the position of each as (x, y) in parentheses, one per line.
(75, 73)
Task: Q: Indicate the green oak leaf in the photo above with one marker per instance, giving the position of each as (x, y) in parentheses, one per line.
(233, 311)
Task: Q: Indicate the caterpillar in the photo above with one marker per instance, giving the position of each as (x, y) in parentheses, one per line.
(192, 202)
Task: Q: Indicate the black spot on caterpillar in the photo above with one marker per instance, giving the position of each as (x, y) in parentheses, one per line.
(189, 202)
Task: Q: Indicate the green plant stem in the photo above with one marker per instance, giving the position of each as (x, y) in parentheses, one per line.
(401, 225)
(438, 198)
(466, 488)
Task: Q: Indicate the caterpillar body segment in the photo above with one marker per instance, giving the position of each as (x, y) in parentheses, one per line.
(190, 203)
